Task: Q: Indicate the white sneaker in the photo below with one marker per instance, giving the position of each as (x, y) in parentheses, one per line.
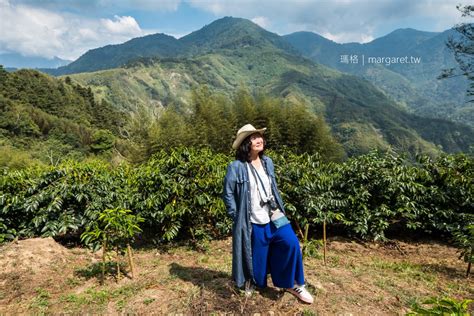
(301, 293)
(249, 288)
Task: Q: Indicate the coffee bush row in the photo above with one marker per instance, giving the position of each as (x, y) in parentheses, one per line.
(178, 194)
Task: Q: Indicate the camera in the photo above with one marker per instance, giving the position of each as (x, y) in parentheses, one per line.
(271, 202)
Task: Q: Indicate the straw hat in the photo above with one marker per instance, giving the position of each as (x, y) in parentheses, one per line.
(245, 131)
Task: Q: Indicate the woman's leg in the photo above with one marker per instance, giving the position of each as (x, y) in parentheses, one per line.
(261, 236)
(286, 262)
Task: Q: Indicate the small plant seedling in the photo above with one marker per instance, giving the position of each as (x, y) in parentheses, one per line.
(114, 229)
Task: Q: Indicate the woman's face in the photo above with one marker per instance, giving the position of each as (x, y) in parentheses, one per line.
(256, 143)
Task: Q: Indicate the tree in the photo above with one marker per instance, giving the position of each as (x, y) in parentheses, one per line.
(102, 140)
(463, 49)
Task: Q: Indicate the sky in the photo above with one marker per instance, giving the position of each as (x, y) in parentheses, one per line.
(69, 28)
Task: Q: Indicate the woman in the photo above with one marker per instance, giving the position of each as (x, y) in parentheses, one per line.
(252, 200)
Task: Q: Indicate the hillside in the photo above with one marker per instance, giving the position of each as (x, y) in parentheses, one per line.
(361, 116)
(413, 85)
(46, 120)
(112, 56)
(234, 33)
(225, 33)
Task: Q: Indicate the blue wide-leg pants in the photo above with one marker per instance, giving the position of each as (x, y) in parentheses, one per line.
(276, 251)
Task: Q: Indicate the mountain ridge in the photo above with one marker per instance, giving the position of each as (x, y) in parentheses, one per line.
(16, 60)
(232, 52)
(244, 32)
(413, 85)
(360, 109)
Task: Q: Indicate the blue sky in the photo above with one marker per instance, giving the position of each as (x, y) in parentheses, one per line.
(68, 28)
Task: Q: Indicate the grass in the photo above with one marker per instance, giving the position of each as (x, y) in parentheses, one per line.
(148, 301)
(308, 312)
(73, 281)
(95, 270)
(98, 297)
(41, 301)
(92, 296)
(404, 269)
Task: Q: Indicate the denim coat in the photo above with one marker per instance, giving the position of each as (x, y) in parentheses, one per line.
(238, 204)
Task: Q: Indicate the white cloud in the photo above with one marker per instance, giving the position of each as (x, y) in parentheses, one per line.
(122, 25)
(348, 37)
(243, 8)
(342, 20)
(49, 28)
(261, 21)
(22, 27)
(32, 31)
(106, 6)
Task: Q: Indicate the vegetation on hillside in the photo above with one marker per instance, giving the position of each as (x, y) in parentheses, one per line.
(360, 116)
(44, 120)
(158, 70)
(413, 86)
(227, 33)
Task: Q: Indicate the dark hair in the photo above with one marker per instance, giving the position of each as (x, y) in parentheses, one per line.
(243, 152)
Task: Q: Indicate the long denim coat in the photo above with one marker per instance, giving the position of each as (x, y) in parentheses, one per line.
(238, 204)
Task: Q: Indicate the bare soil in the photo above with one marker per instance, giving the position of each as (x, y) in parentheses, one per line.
(40, 276)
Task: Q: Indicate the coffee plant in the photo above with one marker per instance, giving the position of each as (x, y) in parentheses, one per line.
(114, 229)
(178, 195)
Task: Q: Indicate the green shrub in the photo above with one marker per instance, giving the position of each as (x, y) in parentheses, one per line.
(178, 194)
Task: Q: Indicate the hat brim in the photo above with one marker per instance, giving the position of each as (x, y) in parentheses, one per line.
(240, 138)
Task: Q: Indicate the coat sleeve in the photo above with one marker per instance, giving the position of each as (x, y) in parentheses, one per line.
(228, 195)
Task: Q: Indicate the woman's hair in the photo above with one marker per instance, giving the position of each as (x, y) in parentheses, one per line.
(243, 152)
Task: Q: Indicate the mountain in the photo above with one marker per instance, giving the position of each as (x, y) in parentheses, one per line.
(234, 33)
(226, 33)
(397, 43)
(112, 56)
(230, 53)
(15, 60)
(413, 84)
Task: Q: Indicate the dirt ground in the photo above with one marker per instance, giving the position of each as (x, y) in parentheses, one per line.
(40, 276)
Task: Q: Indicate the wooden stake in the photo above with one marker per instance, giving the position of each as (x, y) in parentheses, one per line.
(299, 229)
(118, 264)
(324, 241)
(305, 239)
(130, 260)
(468, 269)
(306, 228)
(104, 252)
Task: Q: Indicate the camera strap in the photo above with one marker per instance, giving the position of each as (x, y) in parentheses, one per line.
(256, 175)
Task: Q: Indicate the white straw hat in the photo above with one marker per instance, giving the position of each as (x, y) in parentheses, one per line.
(245, 131)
